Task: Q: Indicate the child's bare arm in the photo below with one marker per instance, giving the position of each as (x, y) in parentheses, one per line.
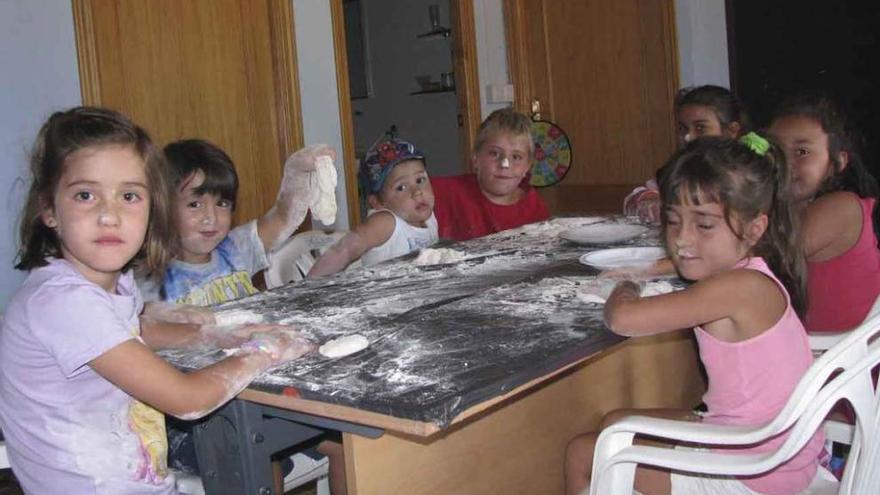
(166, 325)
(134, 368)
(294, 196)
(375, 231)
(739, 295)
(159, 334)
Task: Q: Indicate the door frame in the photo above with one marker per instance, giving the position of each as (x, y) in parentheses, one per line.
(515, 21)
(467, 88)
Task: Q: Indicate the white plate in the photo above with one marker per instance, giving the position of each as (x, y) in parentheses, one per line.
(631, 257)
(604, 233)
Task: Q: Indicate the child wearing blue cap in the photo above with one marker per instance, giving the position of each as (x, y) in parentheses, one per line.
(401, 219)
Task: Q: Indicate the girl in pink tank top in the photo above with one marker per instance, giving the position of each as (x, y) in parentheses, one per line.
(730, 227)
(838, 200)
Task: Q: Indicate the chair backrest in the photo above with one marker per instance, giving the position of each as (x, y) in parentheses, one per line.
(293, 259)
(853, 359)
(843, 373)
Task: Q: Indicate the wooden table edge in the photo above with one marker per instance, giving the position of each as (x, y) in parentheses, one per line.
(401, 425)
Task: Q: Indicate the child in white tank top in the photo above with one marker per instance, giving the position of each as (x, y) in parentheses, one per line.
(401, 219)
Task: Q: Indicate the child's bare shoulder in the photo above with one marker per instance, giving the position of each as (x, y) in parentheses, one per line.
(380, 218)
(834, 204)
(742, 285)
(831, 219)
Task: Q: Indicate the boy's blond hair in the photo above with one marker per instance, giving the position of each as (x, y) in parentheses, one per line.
(505, 121)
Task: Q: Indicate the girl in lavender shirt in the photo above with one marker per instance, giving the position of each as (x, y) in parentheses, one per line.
(81, 389)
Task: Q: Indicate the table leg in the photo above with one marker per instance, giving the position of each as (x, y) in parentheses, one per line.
(235, 444)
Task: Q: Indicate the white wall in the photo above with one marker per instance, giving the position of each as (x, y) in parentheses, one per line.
(492, 56)
(38, 76)
(701, 26)
(318, 90)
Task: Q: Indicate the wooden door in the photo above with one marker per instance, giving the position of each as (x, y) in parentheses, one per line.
(222, 70)
(606, 72)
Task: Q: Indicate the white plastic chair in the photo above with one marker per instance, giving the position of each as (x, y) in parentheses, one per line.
(292, 260)
(4, 457)
(836, 431)
(817, 393)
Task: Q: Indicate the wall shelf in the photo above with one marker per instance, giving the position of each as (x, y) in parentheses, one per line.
(429, 91)
(438, 33)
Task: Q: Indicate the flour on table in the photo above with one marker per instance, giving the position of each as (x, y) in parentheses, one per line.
(657, 288)
(344, 346)
(438, 256)
(237, 317)
(597, 294)
(324, 200)
(552, 228)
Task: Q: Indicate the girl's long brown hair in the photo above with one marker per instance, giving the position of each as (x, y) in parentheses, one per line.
(65, 133)
(746, 184)
(854, 177)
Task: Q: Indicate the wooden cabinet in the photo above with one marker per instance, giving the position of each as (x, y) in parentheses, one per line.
(223, 70)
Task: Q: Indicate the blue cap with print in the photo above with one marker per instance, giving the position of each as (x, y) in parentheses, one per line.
(381, 158)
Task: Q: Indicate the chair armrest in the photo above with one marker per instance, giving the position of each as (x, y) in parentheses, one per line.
(696, 461)
(691, 432)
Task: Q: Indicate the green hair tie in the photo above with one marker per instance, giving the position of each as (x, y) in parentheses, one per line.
(755, 143)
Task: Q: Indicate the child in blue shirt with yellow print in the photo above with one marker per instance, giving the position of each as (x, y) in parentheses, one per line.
(214, 264)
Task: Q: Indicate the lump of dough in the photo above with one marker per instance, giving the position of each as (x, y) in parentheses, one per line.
(324, 200)
(344, 346)
(597, 293)
(437, 256)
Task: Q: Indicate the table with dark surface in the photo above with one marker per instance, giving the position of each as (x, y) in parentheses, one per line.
(447, 342)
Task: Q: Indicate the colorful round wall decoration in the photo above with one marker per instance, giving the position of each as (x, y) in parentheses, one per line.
(552, 154)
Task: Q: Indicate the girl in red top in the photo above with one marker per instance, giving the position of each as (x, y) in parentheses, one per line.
(494, 198)
(699, 111)
(841, 218)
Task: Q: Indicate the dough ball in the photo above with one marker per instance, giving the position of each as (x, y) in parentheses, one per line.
(344, 346)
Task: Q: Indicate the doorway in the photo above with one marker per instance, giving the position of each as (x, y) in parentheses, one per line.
(411, 67)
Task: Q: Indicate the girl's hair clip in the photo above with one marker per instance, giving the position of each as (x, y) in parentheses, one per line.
(756, 143)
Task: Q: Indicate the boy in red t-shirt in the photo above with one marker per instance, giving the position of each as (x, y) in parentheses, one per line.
(494, 198)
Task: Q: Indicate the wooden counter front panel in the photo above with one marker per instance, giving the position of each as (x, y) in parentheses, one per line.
(518, 446)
